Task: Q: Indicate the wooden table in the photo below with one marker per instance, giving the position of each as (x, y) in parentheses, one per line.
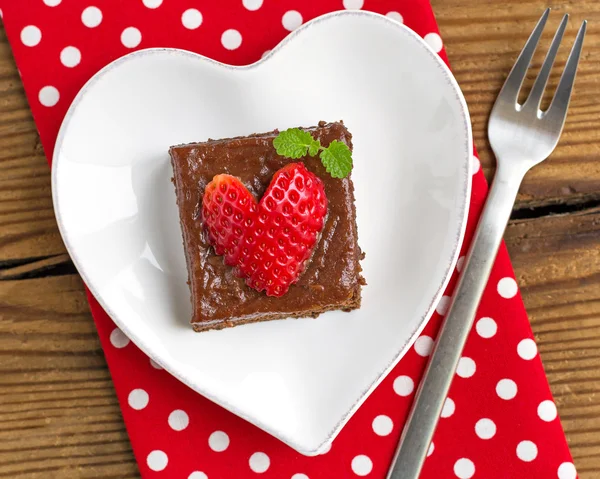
(59, 416)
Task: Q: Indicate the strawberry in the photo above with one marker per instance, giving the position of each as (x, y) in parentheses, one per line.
(267, 242)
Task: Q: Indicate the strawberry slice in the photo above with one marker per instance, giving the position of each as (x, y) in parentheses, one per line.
(267, 242)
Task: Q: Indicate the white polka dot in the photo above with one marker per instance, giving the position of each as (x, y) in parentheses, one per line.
(152, 3)
(506, 389)
(464, 468)
(70, 57)
(382, 425)
(291, 20)
(449, 408)
(252, 4)
(353, 4)
(527, 451)
(527, 349)
(431, 449)
(475, 164)
(197, 475)
(395, 16)
(466, 367)
(138, 399)
(507, 288)
(423, 345)
(403, 385)
(131, 37)
(486, 327)
(218, 441)
(442, 306)
(434, 41)
(118, 339)
(567, 471)
(460, 263)
(31, 36)
(49, 96)
(326, 449)
(231, 39)
(178, 420)
(362, 465)
(259, 462)
(485, 428)
(155, 365)
(191, 19)
(91, 17)
(1, 14)
(157, 460)
(299, 475)
(547, 411)
(52, 3)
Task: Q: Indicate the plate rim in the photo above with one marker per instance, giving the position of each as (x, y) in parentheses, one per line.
(424, 320)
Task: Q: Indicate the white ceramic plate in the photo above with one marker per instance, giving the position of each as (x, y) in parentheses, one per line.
(299, 380)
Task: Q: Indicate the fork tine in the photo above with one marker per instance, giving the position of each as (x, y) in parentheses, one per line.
(558, 108)
(512, 85)
(535, 97)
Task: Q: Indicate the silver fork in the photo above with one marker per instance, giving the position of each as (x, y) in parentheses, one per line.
(521, 136)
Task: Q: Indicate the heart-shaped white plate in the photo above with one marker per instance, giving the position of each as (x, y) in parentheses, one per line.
(302, 379)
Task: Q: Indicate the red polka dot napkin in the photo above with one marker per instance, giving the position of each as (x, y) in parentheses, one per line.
(499, 420)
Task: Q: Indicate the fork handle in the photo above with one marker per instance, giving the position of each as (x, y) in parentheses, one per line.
(430, 397)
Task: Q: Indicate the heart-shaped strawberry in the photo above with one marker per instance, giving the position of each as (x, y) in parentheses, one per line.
(268, 242)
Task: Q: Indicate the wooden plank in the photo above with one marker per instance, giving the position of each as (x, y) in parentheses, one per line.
(483, 39)
(557, 263)
(59, 416)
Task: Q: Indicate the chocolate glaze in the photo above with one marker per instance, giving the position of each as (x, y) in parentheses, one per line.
(332, 277)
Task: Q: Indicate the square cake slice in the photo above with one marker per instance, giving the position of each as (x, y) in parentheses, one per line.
(332, 278)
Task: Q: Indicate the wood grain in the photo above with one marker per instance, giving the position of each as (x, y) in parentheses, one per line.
(59, 416)
(57, 401)
(483, 39)
(557, 264)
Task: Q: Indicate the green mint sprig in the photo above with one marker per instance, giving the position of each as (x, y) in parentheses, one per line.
(295, 143)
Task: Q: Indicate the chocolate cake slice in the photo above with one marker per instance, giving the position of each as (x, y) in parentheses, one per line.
(220, 299)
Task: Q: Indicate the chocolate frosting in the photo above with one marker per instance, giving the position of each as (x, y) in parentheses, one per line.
(331, 279)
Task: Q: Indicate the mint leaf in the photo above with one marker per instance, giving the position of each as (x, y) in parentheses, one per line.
(337, 159)
(314, 147)
(294, 143)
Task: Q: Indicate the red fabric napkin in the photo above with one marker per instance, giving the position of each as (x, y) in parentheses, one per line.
(499, 420)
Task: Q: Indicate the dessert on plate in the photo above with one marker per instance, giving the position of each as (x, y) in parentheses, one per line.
(269, 225)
